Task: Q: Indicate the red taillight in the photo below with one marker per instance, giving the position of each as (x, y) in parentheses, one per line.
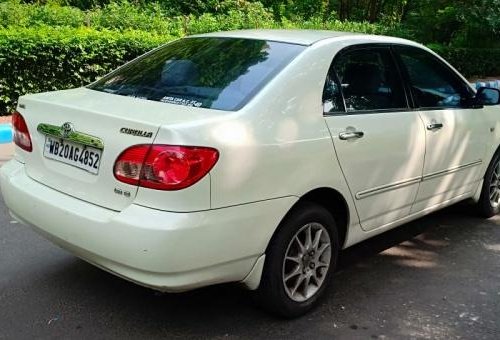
(164, 167)
(21, 134)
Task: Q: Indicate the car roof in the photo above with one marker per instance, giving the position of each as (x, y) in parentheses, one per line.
(300, 37)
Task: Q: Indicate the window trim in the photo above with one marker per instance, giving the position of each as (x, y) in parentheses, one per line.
(399, 75)
(406, 77)
(337, 81)
(365, 112)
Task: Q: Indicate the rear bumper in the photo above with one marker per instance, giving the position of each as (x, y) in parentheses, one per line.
(163, 250)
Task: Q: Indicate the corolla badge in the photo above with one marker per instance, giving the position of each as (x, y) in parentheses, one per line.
(137, 133)
(66, 129)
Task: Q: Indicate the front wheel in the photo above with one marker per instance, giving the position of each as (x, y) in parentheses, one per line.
(489, 201)
(300, 260)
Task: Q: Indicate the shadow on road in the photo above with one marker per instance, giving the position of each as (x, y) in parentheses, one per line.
(376, 288)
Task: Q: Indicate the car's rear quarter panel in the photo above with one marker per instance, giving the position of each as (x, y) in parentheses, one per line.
(278, 145)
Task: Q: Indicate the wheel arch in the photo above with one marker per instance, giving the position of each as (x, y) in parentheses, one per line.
(330, 199)
(496, 152)
(333, 201)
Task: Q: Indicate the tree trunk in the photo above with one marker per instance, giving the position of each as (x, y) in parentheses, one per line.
(374, 10)
(406, 9)
(342, 15)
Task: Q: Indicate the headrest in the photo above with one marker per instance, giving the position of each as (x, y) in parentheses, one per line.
(179, 73)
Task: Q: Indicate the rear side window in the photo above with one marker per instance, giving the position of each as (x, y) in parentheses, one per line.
(216, 73)
(434, 85)
(368, 79)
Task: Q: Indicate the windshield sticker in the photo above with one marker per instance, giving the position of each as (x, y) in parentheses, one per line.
(136, 96)
(181, 101)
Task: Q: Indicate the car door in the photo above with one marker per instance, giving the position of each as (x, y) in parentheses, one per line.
(456, 131)
(379, 140)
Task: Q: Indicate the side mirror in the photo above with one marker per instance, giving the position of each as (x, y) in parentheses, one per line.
(488, 96)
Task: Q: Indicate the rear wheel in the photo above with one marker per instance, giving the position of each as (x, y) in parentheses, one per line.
(489, 201)
(300, 260)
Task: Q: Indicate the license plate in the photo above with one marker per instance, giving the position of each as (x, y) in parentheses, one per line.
(81, 156)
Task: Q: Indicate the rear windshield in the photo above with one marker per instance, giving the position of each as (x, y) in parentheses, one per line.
(215, 73)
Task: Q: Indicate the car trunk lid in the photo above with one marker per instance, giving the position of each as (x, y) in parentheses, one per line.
(86, 122)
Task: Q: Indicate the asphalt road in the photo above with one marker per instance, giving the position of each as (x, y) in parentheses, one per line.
(437, 278)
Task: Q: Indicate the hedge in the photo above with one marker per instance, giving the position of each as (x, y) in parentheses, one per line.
(117, 16)
(44, 59)
(124, 15)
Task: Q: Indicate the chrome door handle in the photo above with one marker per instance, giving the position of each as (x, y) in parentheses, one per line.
(434, 126)
(351, 135)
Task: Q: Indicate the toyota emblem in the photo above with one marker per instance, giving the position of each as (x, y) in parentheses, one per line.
(66, 129)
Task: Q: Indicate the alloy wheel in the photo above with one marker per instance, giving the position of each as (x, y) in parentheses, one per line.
(307, 261)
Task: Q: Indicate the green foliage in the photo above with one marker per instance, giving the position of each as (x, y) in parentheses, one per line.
(252, 16)
(461, 23)
(44, 59)
(124, 15)
(14, 14)
(450, 22)
(471, 62)
(336, 25)
(121, 15)
(153, 17)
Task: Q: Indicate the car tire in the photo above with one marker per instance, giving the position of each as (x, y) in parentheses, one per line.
(489, 201)
(311, 260)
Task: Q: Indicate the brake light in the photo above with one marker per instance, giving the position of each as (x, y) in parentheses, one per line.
(164, 167)
(21, 134)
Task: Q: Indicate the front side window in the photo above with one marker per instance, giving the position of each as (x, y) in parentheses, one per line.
(434, 85)
(216, 73)
(368, 80)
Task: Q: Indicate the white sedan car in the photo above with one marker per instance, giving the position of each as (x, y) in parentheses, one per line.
(251, 156)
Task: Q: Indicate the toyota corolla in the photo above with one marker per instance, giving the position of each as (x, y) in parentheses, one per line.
(253, 157)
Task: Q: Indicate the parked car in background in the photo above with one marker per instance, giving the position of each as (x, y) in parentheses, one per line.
(253, 157)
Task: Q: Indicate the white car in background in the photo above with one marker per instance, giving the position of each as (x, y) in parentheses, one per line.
(251, 156)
